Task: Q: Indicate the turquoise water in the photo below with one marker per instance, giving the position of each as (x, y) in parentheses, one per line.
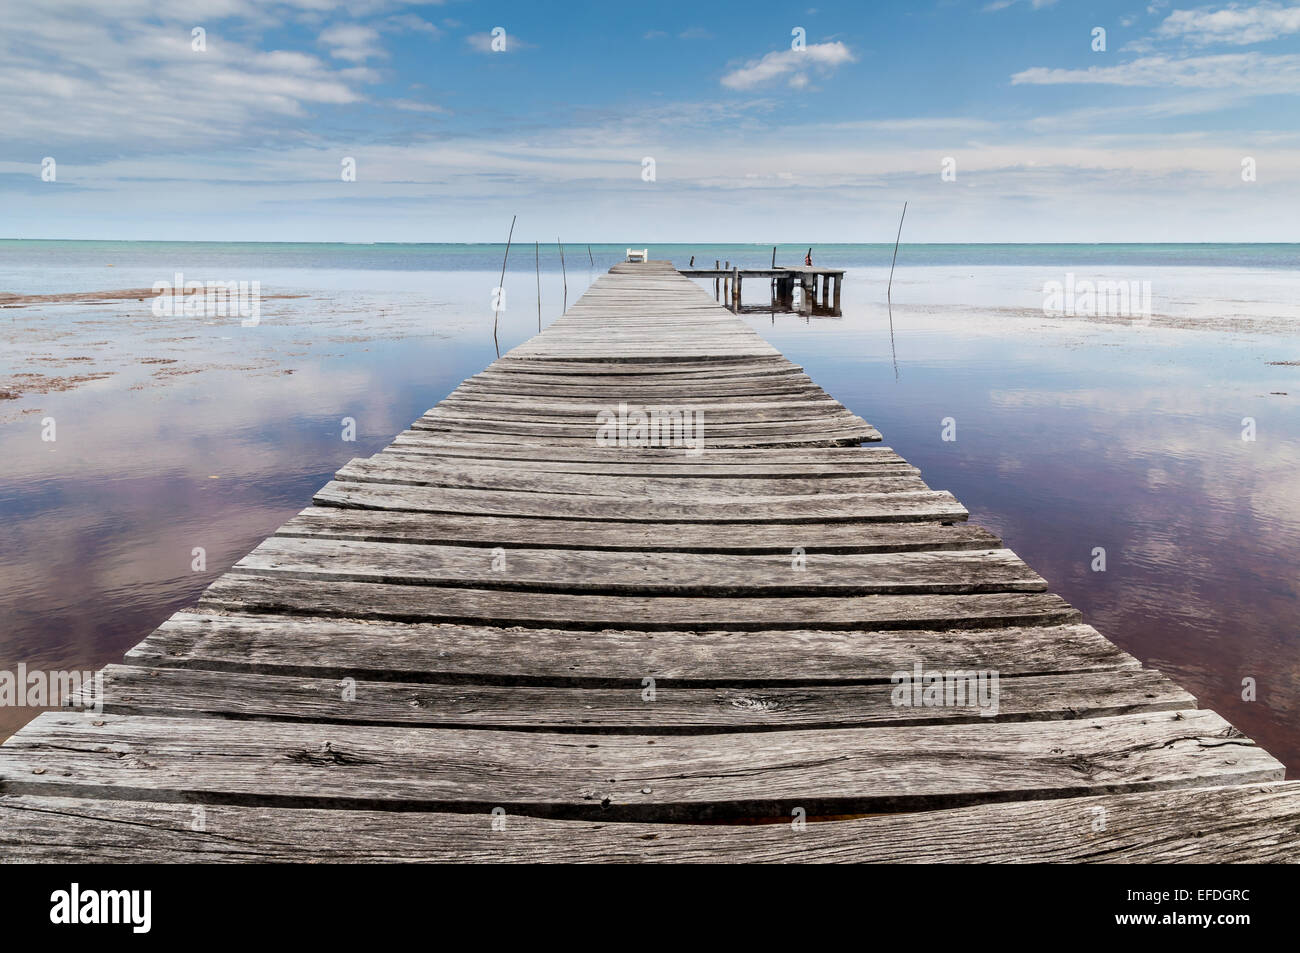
(1072, 434)
(19, 257)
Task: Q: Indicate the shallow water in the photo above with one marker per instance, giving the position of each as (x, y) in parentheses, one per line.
(1071, 434)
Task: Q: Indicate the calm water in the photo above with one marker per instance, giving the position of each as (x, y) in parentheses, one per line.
(1070, 435)
(32, 266)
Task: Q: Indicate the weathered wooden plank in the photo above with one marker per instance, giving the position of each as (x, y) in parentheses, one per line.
(615, 372)
(645, 392)
(408, 471)
(624, 777)
(721, 350)
(845, 437)
(622, 572)
(595, 345)
(616, 657)
(794, 472)
(586, 409)
(696, 340)
(1253, 823)
(588, 416)
(131, 690)
(857, 507)
(241, 592)
(836, 425)
(612, 384)
(681, 340)
(689, 395)
(712, 370)
(851, 458)
(381, 526)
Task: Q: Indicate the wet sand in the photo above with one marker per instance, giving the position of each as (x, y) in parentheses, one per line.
(59, 342)
(10, 300)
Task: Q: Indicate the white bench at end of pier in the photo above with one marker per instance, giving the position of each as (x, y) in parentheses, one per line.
(635, 255)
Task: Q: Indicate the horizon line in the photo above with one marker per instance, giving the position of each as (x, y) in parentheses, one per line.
(803, 242)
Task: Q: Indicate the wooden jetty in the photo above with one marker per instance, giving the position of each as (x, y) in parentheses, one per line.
(819, 287)
(502, 640)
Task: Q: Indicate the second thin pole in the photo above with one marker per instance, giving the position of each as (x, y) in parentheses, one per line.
(563, 277)
(498, 301)
(889, 290)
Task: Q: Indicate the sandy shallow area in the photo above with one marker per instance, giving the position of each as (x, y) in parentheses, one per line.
(10, 300)
(59, 342)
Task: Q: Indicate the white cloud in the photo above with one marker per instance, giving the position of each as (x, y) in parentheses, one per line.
(352, 42)
(1015, 183)
(1235, 25)
(690, 33)
(1256, 72)
(181, 96)
(789, 63)
(414, 106)
(84, 75)
(997, 5)
(409, 21)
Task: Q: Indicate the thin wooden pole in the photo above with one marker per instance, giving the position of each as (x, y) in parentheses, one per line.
(773, 256)
(893, 353)
(563, 277)
(537, 264)
(889, 297)
(501, 286)
(589, 258)
(889, 290)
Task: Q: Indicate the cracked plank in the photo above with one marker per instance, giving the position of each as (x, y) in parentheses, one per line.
(624, 777)
(1253, 823)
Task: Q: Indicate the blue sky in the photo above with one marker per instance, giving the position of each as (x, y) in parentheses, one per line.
(751, 139)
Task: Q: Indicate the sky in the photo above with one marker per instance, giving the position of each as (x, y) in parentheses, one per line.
(239, 120)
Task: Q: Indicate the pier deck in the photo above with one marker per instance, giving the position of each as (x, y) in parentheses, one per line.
(819, 286)
(498, 640)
